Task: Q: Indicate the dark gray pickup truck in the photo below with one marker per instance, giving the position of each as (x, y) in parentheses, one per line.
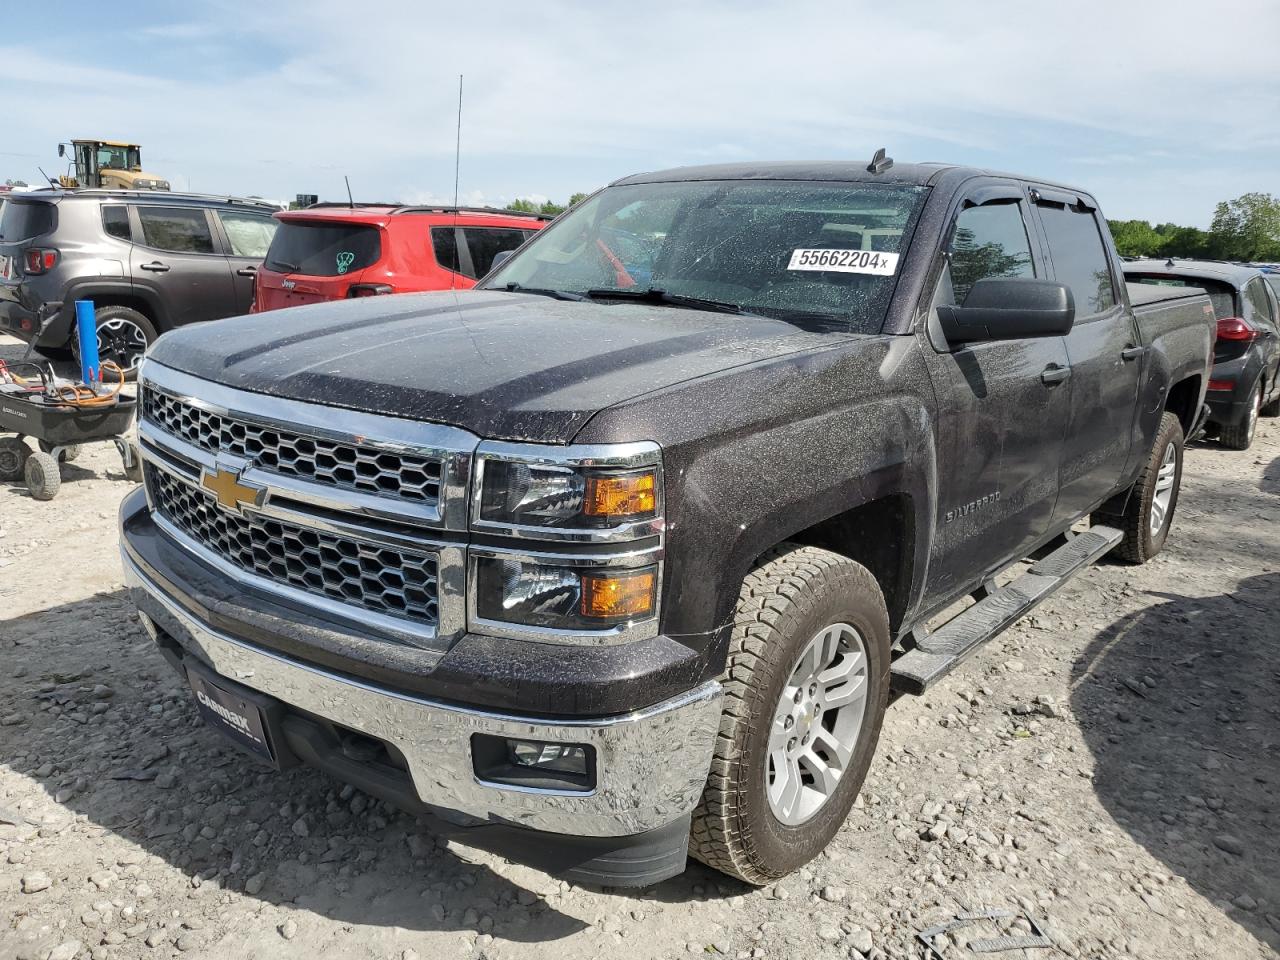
(618, 556)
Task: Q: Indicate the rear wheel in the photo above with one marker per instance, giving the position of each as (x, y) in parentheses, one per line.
(1271, 409)
(1240, 436)
(806, 685)
(13, 457)
(1149, 511)
(123, 337)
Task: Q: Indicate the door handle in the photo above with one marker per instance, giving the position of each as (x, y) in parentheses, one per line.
(156, 267)
(1055, 374)
(247, 272)
(1132, 353)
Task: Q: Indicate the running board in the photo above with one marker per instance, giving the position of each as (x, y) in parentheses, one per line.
(937, 654)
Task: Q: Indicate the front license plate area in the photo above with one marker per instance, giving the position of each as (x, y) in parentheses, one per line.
(236, 717)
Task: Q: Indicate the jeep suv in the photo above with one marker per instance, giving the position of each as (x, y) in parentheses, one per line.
(331, 252)
(149, 262)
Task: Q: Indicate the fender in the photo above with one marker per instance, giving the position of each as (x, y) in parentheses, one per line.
(778, 446)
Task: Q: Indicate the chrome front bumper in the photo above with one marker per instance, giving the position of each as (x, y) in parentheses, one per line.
(651, 764)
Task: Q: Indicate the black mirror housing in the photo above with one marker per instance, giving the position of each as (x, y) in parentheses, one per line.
(62, 149)
(499, 258)
(1010, 309)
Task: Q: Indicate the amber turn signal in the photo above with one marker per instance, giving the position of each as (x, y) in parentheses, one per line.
(630, 495)
(618, 596)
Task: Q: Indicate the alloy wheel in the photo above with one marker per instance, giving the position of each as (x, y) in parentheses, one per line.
(1164, 488)
(816, 723)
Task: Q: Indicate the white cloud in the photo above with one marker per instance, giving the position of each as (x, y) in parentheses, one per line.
(562, 96)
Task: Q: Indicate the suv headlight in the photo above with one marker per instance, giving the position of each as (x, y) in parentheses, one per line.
(609, 496)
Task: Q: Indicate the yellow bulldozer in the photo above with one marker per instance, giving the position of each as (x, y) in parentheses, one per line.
(107, 163)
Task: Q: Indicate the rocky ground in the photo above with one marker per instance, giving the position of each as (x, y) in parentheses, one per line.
(1111, 767)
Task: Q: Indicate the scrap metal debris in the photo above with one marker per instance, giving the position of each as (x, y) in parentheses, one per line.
(988, 944)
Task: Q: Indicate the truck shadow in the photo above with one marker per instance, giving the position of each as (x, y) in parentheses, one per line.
(1178, 704)
(146, 770)
(1270, 482)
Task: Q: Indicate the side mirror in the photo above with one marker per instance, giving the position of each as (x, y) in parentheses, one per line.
(499, 258)
(62, 149)
(1014, 309)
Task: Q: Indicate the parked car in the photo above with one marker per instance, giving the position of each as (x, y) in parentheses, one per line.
(1246, 363)
(149, 261)
(332, 252)
(587, 567)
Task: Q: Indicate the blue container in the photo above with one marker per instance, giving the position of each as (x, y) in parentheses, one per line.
(87, 331)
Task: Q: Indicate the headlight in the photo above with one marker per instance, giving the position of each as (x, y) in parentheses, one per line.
(588, 494)
(537, 594)
(548, 586)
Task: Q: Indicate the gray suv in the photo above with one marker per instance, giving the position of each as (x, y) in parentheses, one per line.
(149, 262)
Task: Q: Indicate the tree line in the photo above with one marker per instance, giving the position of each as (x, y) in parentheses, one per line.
(548, 207)
(1247, 228)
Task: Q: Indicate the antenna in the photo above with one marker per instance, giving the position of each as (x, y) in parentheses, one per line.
(457, 147)
(879, 163)
(351, 203)
(457, 166)
(47, 179)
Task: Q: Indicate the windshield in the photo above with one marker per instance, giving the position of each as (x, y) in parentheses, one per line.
(323, 249)
(118, 158)
(823, 255)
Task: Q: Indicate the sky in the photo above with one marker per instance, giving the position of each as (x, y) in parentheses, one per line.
(1160, 109)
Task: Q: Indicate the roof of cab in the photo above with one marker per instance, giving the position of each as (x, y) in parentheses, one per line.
(901, 174)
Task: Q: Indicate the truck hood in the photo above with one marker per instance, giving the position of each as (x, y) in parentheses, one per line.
(506, 366)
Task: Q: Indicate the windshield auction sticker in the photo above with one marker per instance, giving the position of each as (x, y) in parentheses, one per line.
(845, 261)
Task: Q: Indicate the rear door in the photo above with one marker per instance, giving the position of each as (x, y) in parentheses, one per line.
(246, 236)
(1002, 410)
(469, 250)
(1104, 351)
(1260, 311)
(176, 256)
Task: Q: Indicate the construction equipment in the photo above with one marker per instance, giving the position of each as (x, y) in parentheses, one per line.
(108, 163)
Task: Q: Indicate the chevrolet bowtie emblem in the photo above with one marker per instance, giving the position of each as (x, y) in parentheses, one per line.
(231, 493)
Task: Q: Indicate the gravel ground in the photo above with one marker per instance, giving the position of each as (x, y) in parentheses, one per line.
(1110, 766)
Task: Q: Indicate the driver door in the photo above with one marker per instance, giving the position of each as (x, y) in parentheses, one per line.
(1002, 410)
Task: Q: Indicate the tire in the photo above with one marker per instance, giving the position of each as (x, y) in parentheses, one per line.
(43, 479)
(1141, 542)
(792, 599)
(121, 331)
(13, 457)
(1240, 436)
(69, 452)
(1271, 409)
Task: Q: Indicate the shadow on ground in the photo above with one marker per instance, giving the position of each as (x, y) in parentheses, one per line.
(1180, 705)
(205, 809)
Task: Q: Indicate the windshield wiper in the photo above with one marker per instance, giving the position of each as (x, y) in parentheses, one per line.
(544, 292)
(655, 295)
(288, 267)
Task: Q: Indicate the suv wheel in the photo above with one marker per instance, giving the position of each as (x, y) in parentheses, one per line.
(1240, 436)
(806, 685)
(123, 337)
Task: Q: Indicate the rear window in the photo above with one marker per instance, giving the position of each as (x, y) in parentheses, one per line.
(22, 221)
(323, 249)
(1222, 294)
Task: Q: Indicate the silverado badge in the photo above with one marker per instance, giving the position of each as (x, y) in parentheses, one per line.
(231, 493)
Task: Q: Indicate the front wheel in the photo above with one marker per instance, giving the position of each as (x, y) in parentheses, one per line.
(806, 685)
(1149, 512)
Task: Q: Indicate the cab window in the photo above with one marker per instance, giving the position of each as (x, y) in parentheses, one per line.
(1078, 256)
(988, 241)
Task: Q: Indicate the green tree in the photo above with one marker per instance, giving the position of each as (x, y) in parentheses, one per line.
(1136, 238)
(523, 206)
(1248, 227)
(552, 209)
(577, 198)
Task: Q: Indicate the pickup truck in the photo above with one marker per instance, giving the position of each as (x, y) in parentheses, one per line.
(617, 557)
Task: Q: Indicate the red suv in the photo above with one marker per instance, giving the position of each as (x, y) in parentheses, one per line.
(332, 251)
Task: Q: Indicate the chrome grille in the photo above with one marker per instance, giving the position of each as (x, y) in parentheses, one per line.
(387, 580)
(366, 469)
